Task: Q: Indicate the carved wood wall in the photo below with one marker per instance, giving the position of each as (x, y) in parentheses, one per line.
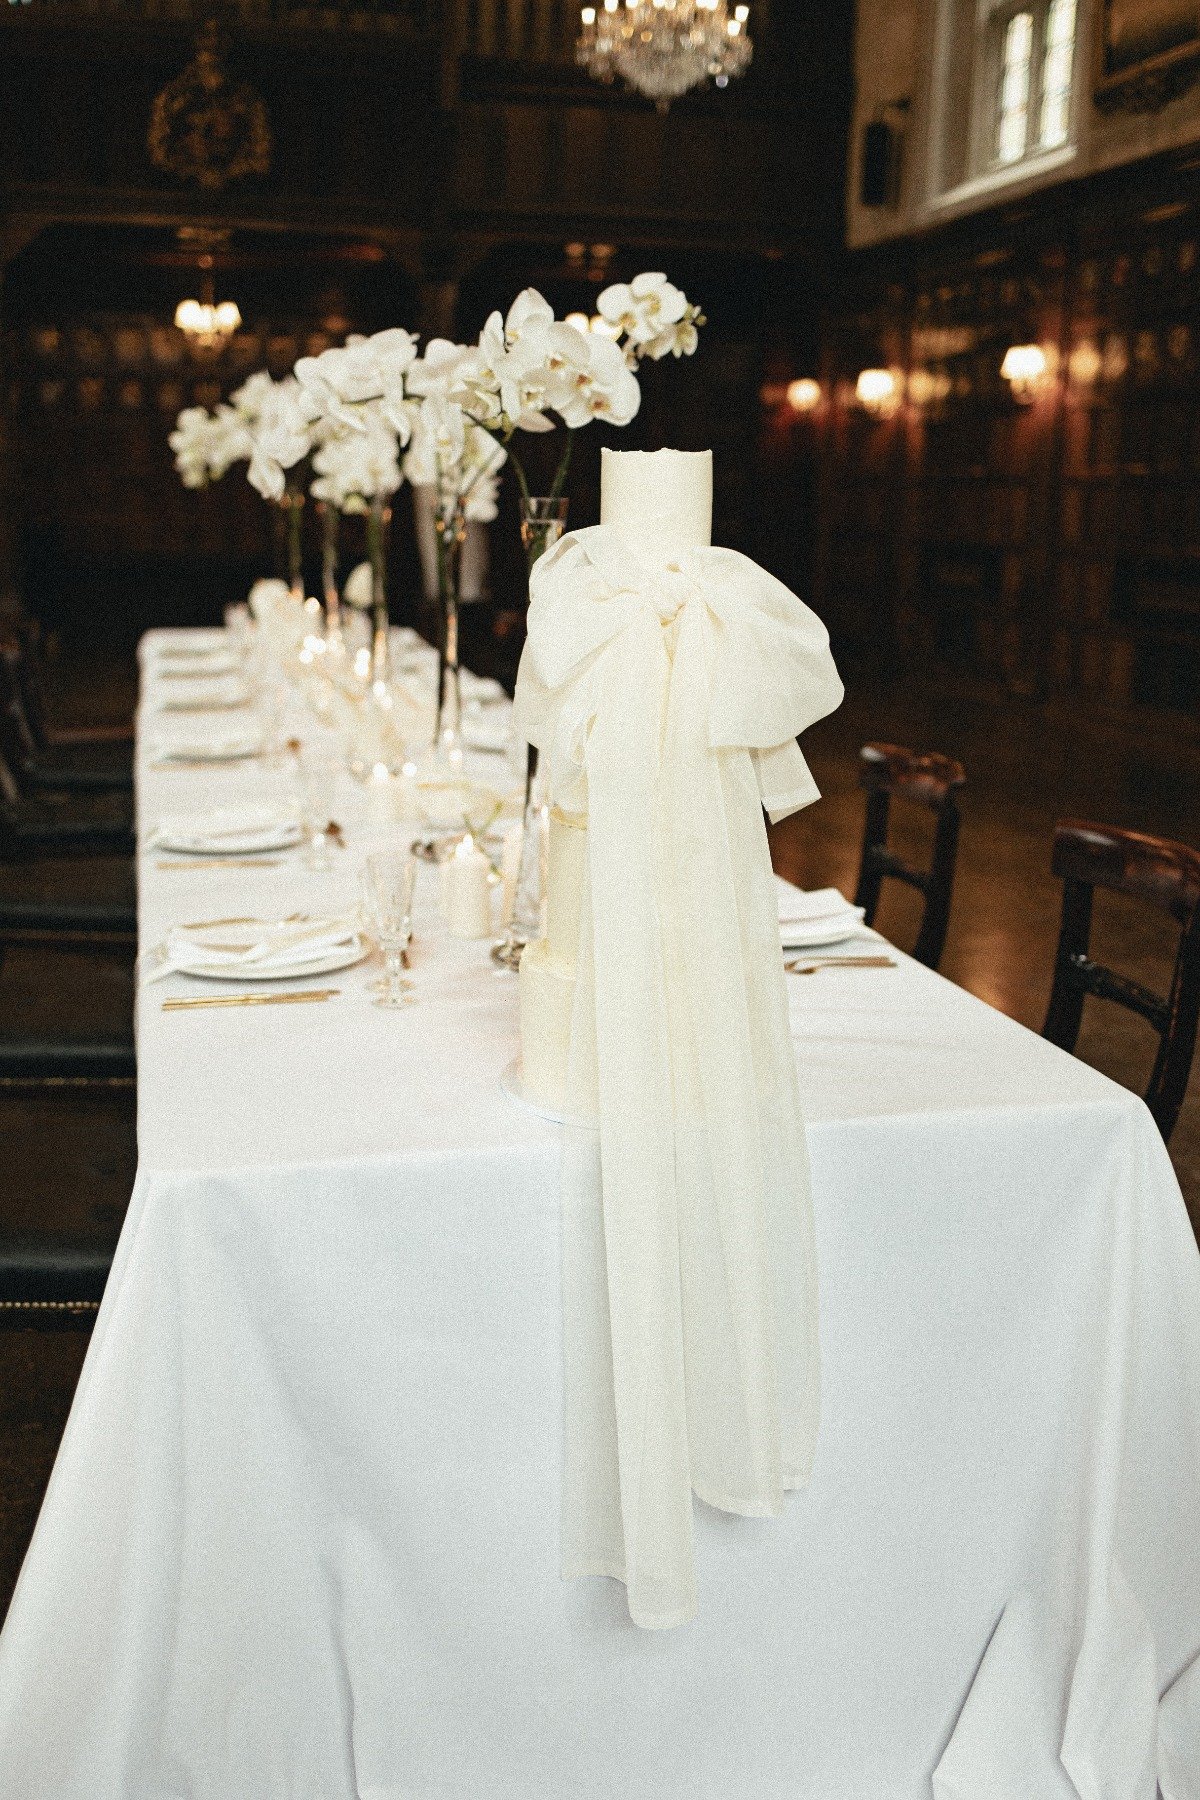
(454, 142)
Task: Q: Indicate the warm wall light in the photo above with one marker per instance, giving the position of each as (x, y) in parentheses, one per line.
(804, 394)
(1024, 368)
(877, 390)
(1085, 363)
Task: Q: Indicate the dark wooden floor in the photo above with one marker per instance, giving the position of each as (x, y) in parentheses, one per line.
(1024, 772)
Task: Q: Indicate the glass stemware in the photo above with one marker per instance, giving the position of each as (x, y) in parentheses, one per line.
(318, 767)
(387, 888)
(543, 521)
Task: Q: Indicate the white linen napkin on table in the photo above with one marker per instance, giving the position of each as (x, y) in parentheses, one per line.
(225, 830)
(822, 915)
(493, 734)
(206, 749)
(256, 947)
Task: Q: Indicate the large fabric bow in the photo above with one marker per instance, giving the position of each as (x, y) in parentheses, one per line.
(666, 700)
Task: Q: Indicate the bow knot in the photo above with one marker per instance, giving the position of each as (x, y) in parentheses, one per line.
(767, 673)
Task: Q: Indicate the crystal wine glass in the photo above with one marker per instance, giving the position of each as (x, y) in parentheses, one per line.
(387, 883)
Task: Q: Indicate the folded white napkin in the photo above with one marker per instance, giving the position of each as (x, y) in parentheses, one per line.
(203, 694)
(197, 664)
(493, 734)
(191, 642)
(480, 689)
(259, 947)
(224, 748)
(820, 916)
(226, 830)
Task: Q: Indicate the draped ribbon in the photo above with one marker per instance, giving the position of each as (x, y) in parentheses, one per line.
(666, 701)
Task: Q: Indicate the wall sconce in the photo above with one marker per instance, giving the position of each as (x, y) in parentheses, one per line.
(1025, 368)
(804, 394)
(1085, 363)
(877, 390)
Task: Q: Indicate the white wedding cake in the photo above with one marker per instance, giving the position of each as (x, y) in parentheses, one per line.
(658, 502)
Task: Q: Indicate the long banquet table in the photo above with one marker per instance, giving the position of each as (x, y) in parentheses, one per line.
(302, 1535)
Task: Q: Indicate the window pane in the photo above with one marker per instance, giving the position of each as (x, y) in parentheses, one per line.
(1059, 55)
(1013, 124)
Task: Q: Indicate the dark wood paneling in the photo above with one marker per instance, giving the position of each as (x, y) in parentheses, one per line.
(1053, 548)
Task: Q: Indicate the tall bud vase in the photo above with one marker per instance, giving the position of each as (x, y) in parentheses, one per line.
(292, 504)
(379, 519)
(543, 521)
(451, 536)
(330, 520)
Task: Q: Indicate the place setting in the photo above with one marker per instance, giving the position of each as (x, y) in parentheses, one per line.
(821, 929)
(196, 752)
(224, 834)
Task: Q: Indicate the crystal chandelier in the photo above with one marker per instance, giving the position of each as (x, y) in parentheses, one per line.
(662, 48)
(207, 323)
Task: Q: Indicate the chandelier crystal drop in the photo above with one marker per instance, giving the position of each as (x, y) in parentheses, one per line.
(663, 48)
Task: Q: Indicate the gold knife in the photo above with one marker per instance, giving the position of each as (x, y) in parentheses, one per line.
(294, 999)
(222, 862)
(840, 962)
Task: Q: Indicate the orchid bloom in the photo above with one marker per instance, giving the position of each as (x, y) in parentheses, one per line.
(282, 437)
(358, 466)
(643, 308)
(192, 443)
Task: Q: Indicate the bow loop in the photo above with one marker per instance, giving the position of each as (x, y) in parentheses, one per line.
(768, 666)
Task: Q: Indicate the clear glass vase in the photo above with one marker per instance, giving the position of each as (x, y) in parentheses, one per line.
(543, 521)
(379, 519)
(291, 506)
(331, 593)
(451, 530)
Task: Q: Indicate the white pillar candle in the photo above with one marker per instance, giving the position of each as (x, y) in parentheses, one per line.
(467, 891)
(510, 871)
(381, 805)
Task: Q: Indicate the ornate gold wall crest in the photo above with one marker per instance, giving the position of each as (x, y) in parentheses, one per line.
(204, 126)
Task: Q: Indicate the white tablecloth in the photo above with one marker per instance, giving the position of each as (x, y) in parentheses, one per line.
(302, 1536)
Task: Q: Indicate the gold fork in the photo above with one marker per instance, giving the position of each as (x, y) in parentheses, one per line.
(840, 962)
(295, 999)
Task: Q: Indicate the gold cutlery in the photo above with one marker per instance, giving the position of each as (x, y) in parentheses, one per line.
(295, 999)
(268, 924)
(222, 862)
(204, 706)
(840, 962)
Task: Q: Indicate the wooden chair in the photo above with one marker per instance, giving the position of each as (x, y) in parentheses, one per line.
(26, 663)
(929, 780)
(1165, 875)
(40, 766)
(70, 1159)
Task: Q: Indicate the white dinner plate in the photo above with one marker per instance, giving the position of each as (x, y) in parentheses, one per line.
(205, 699)
(344, 956)
(226, 833)
(814, 934)
(209, 750)
(207, 663)
(488, 735)
(207, 641)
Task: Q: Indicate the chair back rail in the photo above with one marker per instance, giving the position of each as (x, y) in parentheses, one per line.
(930, 780)
(1157, 872)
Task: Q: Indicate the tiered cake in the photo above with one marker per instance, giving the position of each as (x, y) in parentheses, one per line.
(660, 503)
